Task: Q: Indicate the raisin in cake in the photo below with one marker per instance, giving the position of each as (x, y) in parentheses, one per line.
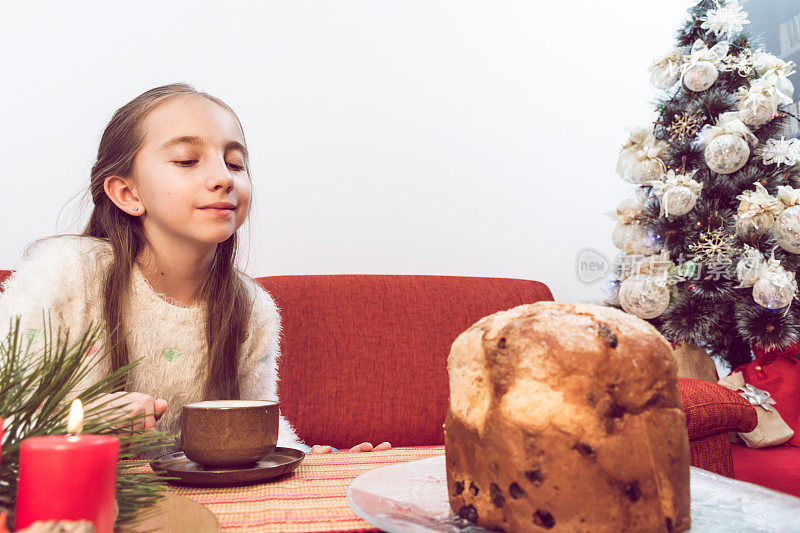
(566, 417)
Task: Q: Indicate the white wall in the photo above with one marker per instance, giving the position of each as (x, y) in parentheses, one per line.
(402, 137)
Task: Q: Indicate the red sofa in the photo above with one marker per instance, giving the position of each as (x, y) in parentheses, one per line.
(364, 358)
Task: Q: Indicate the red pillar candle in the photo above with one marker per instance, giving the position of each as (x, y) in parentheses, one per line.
(68, 477)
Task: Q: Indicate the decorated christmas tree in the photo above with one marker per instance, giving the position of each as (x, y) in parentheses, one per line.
(710, 240)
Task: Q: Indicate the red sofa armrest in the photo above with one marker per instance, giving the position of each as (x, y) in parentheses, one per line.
(711, 408)
(711, 412)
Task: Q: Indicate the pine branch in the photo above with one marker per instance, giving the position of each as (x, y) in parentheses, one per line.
(36, 388)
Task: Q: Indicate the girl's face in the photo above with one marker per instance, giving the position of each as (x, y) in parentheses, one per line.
(193, 156)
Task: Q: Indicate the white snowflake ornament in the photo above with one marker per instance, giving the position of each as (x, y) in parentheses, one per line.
(781, 152)
(725, 19)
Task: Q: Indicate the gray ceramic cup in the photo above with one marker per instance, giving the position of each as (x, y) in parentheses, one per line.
(229, 433)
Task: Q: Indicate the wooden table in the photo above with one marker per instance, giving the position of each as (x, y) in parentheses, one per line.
(313, 498)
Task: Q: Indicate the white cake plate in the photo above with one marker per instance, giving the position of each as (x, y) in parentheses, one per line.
(412, 497)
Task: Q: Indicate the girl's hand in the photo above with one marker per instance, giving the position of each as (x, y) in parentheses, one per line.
(141, 409)
(363, 447)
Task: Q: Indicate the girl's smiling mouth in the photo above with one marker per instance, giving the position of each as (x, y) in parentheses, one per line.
(220, 208)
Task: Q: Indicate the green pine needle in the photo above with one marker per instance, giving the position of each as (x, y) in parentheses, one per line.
(36, 389)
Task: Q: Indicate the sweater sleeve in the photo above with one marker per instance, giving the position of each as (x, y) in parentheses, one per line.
(50, 287)
(46, 286)
(258, 370)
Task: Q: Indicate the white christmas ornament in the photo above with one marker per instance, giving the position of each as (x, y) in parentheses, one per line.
(726, 154)
(758, 104)
(640, 157)
(780, 152)
(787, 229)
(699, 70)
(775, 71)
(773, 286)
(644, 296)
(664, 71)
(725, 19)
(776, 288)
(630, 210)
(727, 144)
(678, 200)
(622, 234)
(635, 239)
(757, 211)
(787, 225)
(700, 76)
(749, 267)
(677, 193)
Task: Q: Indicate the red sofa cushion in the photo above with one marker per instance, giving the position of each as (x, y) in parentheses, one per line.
(364, 357)
(775, 467)
(711, 408)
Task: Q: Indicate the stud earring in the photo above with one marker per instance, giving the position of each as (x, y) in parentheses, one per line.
(135, 208)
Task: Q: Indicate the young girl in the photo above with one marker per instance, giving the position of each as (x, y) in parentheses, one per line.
(171, 186)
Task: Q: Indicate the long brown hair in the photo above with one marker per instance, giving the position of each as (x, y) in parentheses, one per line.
(226, 297)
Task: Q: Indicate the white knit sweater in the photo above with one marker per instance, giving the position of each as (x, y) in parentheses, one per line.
(64, 275)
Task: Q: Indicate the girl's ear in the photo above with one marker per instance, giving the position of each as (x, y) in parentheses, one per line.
(122, 192)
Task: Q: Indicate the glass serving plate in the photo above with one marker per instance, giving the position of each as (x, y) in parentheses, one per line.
(412, 497)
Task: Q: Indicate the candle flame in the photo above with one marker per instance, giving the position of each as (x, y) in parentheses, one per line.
(75, 421)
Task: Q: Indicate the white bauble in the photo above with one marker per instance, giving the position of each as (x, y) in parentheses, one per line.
(623, 234)
(629, 210)
(700, 76)
(727, 153)
(625, 162)
(678, 200)
(642, 296)
(748, 227)
(648, 170)
(787, 229)
(773, 291)
(635, 239)
(757, 109)
(663, 77)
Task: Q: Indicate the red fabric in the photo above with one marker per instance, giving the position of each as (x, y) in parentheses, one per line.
(778, 372)
(711, 408)
(775, 467)
(712, 453)
(711, 411)
(364, 356)
(3, 275)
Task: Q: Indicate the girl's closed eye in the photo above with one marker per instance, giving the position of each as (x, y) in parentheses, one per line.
(190, 162)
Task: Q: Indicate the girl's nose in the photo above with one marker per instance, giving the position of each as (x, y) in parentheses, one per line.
(221, 177)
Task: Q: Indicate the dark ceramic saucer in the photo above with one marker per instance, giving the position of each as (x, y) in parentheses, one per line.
(280, 462)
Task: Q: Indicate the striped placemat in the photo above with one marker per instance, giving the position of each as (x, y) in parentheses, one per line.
(313, 498)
